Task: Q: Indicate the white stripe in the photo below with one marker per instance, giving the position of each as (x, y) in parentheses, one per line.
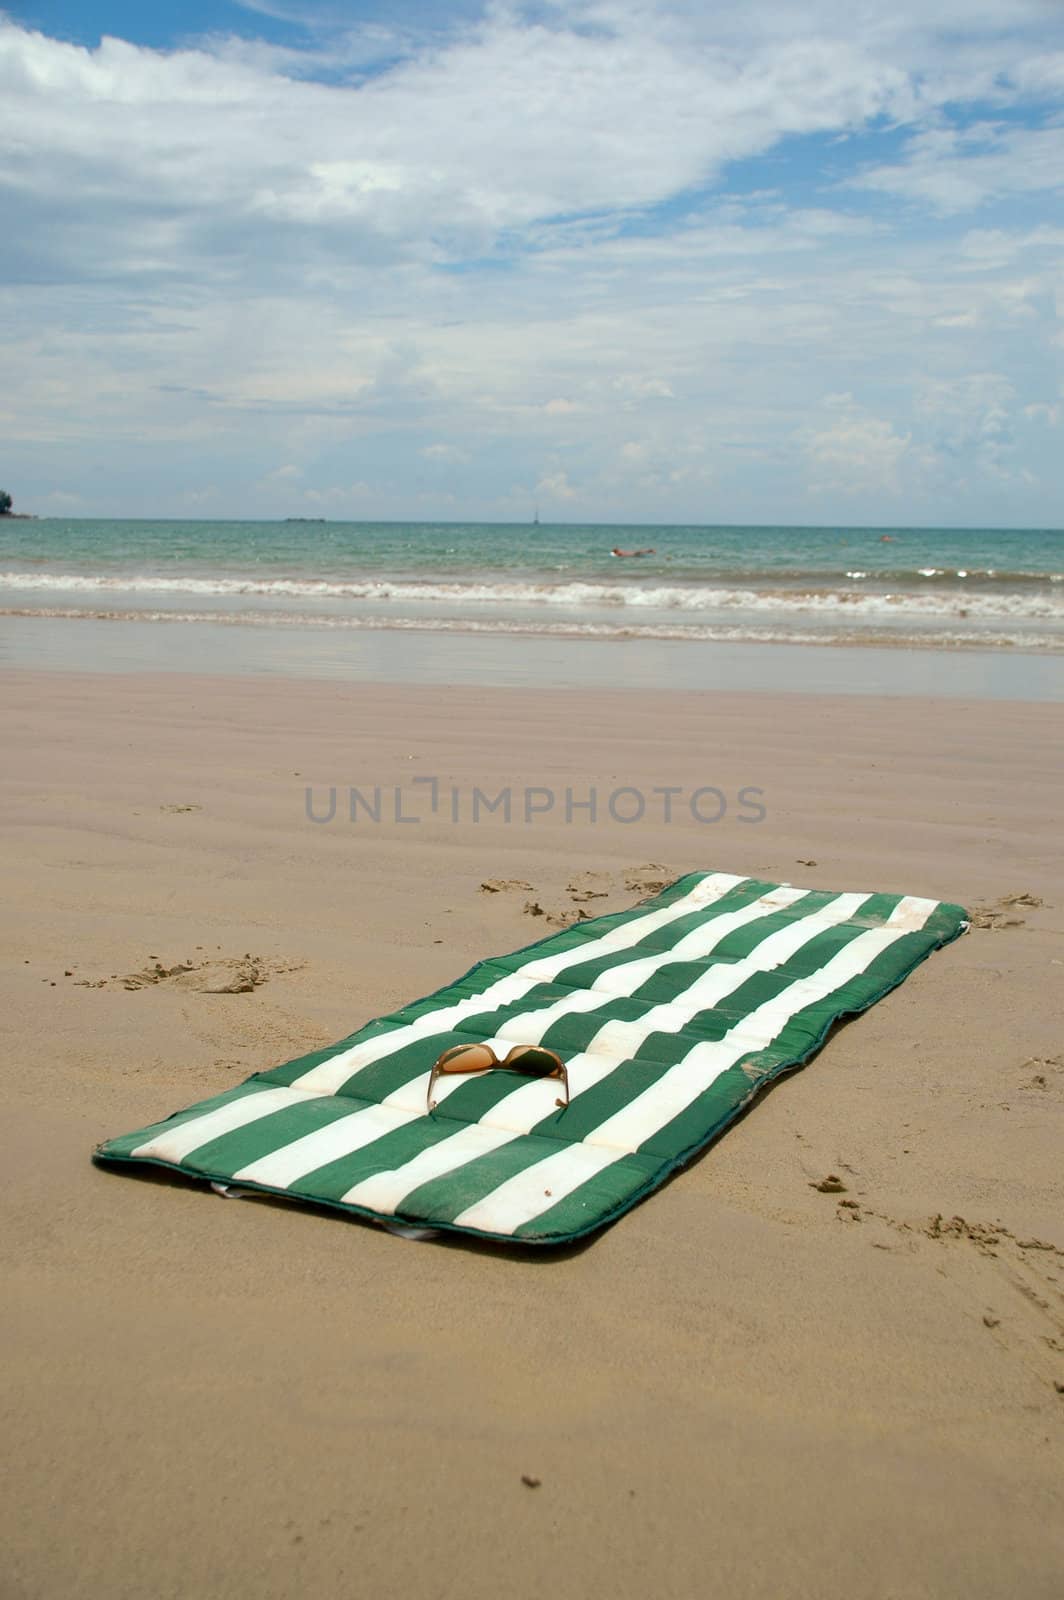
(531, 1100)
(285, 1166)
(617, 1041)
(330, 1075)
(622, 1039)
(536, 1189)
(671, 1094)
(528, 1027)
(385, 1190)
(701, 941)
(911, 912)
(180, 1142)
(521, 1198)
(705, 893)
(520, 1111)
(341, 1138)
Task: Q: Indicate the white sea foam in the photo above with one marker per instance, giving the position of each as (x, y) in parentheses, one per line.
(838, 631)
(1034, 605)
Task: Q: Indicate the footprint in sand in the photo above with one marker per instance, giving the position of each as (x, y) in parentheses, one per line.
(1000, 913)
(1015, 1281)
(222, 975)
(649, 879)
(584, 886)
(532, 908)
(1048, 1074)
(832, 1184)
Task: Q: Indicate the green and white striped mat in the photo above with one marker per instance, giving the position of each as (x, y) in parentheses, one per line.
(670, 1018)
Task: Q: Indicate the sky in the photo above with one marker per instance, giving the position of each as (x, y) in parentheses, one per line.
(623, 260)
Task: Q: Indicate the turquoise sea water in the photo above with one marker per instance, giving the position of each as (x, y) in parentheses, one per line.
(939, 588)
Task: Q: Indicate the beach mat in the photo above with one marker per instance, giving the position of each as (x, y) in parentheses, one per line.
(670, 1018)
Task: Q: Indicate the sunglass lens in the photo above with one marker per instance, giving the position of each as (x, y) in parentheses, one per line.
(540, 1063)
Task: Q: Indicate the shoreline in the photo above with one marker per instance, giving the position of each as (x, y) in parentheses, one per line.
(390, 655)
(528, 629)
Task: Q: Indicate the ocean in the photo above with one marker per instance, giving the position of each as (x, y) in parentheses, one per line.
(983, 588)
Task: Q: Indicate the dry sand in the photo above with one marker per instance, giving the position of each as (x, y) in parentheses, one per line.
(746, 1387)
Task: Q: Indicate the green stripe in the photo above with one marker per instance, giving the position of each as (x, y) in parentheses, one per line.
(441, 1200)
(391, 1072)
(659, 940)
(333, 1180)
(615, 1186)
(662, 1050)
(470, 1102)
(568, 1035)
(122, 1148)
(671, 982)
(803, 1032)
(444, 1198)
(579, 933)
(475, 982)
(227, 1153)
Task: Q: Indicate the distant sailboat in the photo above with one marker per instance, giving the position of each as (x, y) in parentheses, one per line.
(535, 518)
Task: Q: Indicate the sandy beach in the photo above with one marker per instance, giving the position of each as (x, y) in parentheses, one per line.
(747, 1386)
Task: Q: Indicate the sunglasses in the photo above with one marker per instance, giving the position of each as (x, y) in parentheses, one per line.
(532, 1059)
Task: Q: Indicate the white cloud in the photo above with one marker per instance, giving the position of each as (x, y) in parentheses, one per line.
(665, 461)
(636, 386)
(954, 170)
(234, 166)
(1039, 411)
(556, 486)
(972, 418)
(496, 242)
(857, 454)
(445, 453)
(995, 247)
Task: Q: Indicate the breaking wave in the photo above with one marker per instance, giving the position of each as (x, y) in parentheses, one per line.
(939, 636)
(856, 599)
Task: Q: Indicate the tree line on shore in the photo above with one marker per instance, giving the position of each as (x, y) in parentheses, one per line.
(6, 503)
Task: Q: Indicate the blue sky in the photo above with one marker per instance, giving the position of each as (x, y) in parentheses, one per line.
(162, 25)
(629, 259)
